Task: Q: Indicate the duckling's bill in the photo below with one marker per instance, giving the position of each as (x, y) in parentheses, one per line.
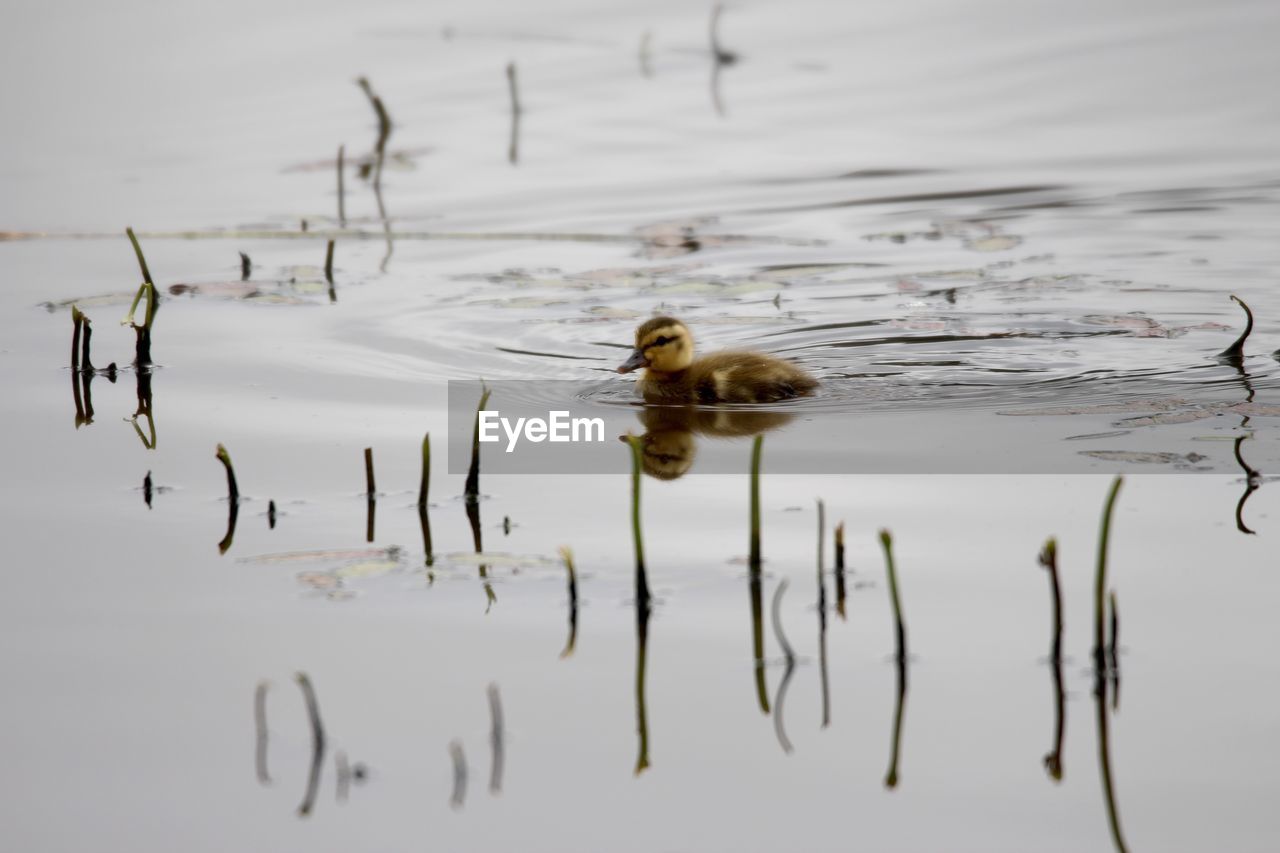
(635, 362)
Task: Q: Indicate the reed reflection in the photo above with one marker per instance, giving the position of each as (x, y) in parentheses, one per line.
(789, 655)
(142, 377)
(1106, 665)
(822, 621)
(1053, 760)
(260, 732)
(497, 740)
(900, 659)
(374, 172)
(754, 561)
(1252, 482)
(513, 149)
(572, 585)
(424, 488)
(233, 499)
(82, 369)
(643, 602)
(471, 499)
(669, 445)
(318, 743)
(370, 495)
(720, 58)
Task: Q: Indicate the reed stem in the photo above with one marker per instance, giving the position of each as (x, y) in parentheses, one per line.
(233, 491)
(1049, 559)
(425, 485)
(637, 465)
(886, 541)
(1100, 577)
(472, 489)
(1236, 350)
(371, 490)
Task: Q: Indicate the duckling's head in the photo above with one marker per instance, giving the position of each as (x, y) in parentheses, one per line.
(663, 344)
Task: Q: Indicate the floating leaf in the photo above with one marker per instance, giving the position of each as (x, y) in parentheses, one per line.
(993, 243)
(1142, 457)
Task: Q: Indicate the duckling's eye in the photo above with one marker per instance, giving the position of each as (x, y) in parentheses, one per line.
(662, 341)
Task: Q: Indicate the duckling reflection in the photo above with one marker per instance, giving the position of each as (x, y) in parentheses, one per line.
(668, 446)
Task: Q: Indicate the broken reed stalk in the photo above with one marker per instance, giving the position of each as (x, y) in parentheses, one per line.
(1049, 559)
(424, 485)
(371, 491)
(245, 267)
(84, 331)
(753, 560)
(1236, 350)
(472, 489)
(1100, 577)
(328, 263)
(567, 556)
(371, 494)
(233, 491)
(423, 488)
(840, 587)
(342, 190)
(142, 261)
(886, 541)
(77, 320)
(637, 465)
(142, 350)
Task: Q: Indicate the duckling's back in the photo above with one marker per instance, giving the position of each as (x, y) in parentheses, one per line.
(733, 377)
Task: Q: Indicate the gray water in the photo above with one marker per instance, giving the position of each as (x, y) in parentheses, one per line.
(1004, 236)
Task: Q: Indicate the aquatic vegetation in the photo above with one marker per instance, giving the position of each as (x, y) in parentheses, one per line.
(142, 357)
(472, 490)
(1235, 352)
(900, 627)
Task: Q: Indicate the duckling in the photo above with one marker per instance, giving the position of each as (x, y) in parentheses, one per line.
(664, 348)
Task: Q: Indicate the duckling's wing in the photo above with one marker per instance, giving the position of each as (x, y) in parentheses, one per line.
(748, 377)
